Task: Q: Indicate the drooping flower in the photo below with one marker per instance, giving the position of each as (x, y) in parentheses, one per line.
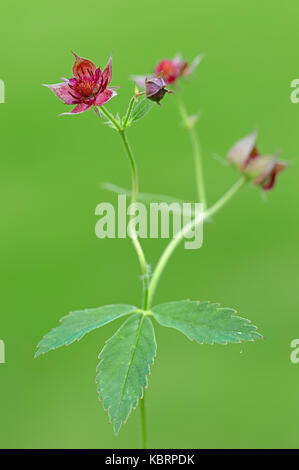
(260, 169)
(155, 89)
(88, 87)
(170, 70)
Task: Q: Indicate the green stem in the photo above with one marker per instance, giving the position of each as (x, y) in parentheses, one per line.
(129, 111)
(189, 124)
(137, 245)
(180, 235)
(109, 116)
(135, 240)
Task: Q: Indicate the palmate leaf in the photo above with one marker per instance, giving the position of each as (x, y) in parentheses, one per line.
(124, 366)
(205, 322)
(77, 324)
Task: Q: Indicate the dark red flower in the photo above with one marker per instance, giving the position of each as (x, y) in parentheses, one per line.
(170, 70)
(88, 87)
(260, 169)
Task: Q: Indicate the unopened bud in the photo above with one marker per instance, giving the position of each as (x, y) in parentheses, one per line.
(155, 89)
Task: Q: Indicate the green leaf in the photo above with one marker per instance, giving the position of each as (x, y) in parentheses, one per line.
(205, 322)
(77, 324)
(140, 110)
(124, 366)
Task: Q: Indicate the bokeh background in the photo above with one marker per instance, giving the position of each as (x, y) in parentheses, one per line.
(51, 261)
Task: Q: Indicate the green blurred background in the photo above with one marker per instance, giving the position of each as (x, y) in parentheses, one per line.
(51, 169)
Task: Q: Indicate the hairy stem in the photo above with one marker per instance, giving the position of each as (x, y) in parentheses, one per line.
(189, 124)
(180, 235)
(129, 111)
(109, 116)
(135, 240)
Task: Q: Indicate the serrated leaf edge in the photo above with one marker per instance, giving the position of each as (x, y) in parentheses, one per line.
(218, 308)
(133, 406)
(37, 354)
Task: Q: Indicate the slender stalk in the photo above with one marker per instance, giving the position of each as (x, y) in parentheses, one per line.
(129, 111)
(135, 240)
(136, 243)
(180, 235)
(189, 124)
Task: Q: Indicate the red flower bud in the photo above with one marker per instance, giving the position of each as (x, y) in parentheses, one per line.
(260, 169)
(155, 89)
(263, 170)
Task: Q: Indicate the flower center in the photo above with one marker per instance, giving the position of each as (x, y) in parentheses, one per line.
(86, 88)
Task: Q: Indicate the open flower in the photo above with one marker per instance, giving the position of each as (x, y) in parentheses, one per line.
(170, 70)
(88, 87)
(155, 89)
(260, 169)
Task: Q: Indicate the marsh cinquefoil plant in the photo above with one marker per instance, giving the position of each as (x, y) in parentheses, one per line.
(126, 358)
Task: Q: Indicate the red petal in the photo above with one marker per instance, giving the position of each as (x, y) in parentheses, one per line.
(169, 70)
(241, 152)
(107, 74)
(272, 178)
(80, 108)
(64, 92)
(83, 67)
(102, 98)
(270, 183)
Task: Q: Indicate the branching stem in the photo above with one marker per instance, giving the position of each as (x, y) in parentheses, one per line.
(180, 236)
(149, 286)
